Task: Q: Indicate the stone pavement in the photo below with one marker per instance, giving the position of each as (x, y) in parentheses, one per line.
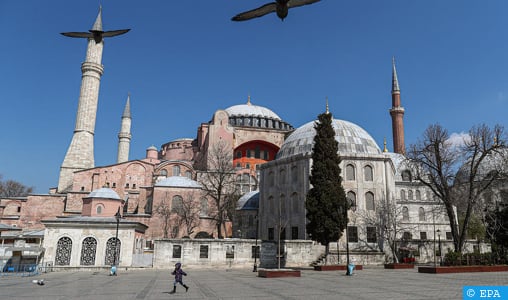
(370, 283)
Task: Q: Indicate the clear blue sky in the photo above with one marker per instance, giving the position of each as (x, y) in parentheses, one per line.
(183, 60)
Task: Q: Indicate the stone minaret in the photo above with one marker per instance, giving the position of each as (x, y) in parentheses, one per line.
(124, 137)
(80, 154)
(397, 113)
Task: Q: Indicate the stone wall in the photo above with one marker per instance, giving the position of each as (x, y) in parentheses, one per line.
(233, 253)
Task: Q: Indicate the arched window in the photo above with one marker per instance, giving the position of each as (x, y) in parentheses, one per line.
(164, 172)
(63, 252)
(282, 205)
(352, 197)
(406, 175)
(410, 195)
(418, 195)
(405, 213)
(109, 258)
(245, 178)
(204, 207)
(295, 203)
(282, 176)
(270, 203)
(350, 172)
(294, 174)
(176, 170)
(421, 214)
(368, 173)
(188, 174)
(238, 154)
(271, 180)
(98, 209)
(88, 249)
(403, 195)
(177, 204)
(369, 201)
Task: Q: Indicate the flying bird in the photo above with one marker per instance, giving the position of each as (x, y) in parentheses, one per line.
(96, 32)
(281, 7)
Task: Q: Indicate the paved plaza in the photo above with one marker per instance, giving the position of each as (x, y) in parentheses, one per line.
(370, 283)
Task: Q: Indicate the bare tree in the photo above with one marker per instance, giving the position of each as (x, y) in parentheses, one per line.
(163, 209)
(188, 215)
(455, 172)
(389, 221)
(218, 183)
(11, 188)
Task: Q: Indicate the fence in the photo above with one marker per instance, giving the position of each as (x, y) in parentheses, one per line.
(19, 270)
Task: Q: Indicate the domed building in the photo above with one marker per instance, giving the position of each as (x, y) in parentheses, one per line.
(378, 183)
(371, 179)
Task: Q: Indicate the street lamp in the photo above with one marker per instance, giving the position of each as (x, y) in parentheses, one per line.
(439, 243)
(118, 216)
(349, 203)
(255, 269)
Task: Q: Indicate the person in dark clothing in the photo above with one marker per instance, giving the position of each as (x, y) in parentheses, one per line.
(178, 272)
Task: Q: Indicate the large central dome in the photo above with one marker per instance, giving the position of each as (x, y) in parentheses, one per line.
(352, 139)
(251, 110)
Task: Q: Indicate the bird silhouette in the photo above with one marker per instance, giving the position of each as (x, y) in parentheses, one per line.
(96, 32)
(281, 7)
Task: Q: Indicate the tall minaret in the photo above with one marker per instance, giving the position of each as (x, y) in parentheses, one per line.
(124, 137)
(397, 113)
(80, 154)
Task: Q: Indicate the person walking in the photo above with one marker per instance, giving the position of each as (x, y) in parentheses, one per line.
(178, 272)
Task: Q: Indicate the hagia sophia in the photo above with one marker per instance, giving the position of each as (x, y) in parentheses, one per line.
(132, 203)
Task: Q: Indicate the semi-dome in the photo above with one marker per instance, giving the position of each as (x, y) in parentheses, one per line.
(106, 193)
(352, 139)
(249, 201)
(251, 110)
(178, 181)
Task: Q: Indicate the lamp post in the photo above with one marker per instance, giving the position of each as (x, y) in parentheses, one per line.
(117, 217)
(348, 203)
(439, 243)
(255, 269)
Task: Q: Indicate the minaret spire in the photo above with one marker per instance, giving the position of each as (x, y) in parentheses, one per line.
(124, 137)
(97, 26)
(395, 81)
(397, 113)
(327, 108)
(80, 154)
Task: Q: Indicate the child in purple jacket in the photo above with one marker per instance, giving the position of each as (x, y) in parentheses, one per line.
(178, 272)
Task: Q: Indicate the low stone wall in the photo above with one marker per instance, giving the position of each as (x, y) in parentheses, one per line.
(233, 253)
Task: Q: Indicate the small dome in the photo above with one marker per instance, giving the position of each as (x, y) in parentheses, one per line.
(249, 201)
(152, 148)
(251, 110)
(352, 139)
(494, 162)
(178, 181)
(104, 193)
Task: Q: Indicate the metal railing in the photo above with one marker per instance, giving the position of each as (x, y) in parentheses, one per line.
(19, 270)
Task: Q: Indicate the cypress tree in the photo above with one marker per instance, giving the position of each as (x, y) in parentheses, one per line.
(326, 200)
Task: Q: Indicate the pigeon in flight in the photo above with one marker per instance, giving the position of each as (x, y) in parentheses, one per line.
(281, 7)
(96, 32)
